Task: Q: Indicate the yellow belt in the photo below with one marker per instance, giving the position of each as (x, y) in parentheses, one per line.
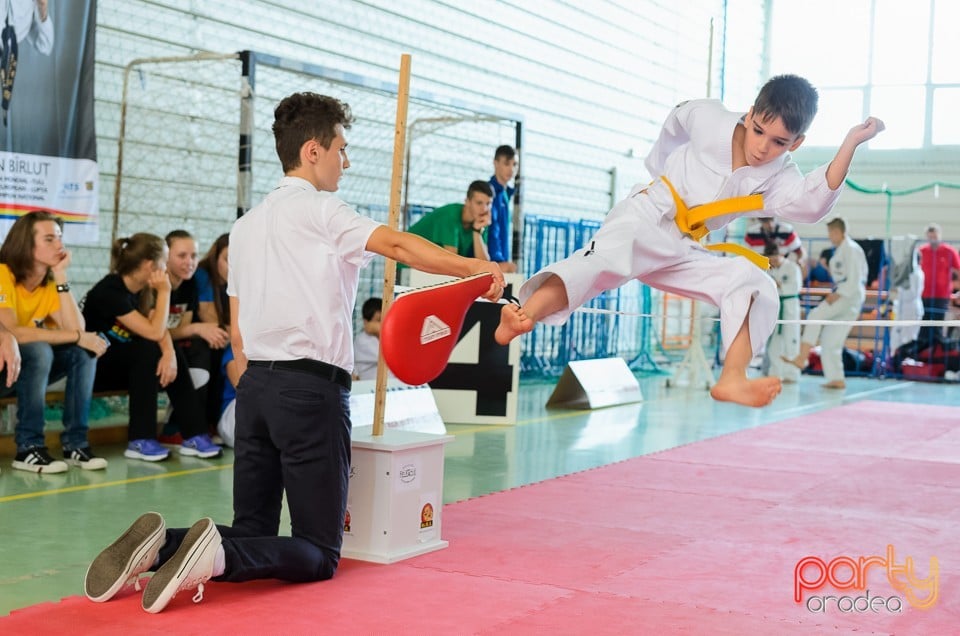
(692, 222)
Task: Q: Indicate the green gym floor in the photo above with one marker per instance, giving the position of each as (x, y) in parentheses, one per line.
(51, 526)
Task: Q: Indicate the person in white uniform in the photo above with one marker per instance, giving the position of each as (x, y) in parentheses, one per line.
(785, 340)
(908, 283)
(848, 268)
(706, 158)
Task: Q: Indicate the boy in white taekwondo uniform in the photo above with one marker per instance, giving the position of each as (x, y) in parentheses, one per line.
(785, 340)
(848, 268)
(704, 163)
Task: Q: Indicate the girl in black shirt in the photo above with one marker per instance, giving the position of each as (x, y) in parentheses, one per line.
(130, 307)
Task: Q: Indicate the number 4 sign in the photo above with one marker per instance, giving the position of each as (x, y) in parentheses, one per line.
(479, 385)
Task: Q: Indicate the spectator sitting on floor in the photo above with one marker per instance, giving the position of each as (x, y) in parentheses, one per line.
(227, 424)
(193, 338)
(211, 280)
(214, 308)
(820, 273)
(131, 305)
(366, 346)
(38, 308)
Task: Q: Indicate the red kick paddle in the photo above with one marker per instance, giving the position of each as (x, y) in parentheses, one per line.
(421, 328)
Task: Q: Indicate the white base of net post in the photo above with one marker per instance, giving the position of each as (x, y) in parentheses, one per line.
(593, 384)
(694, 369)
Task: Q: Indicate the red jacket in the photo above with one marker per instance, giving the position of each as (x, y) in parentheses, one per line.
(938, 266)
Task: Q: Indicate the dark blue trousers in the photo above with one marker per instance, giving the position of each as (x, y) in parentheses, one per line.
(293, 435)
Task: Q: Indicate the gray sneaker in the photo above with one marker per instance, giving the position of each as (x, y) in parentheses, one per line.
(124, 560)
(190, 567)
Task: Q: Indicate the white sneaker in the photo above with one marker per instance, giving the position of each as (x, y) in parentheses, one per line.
(124, 560)
(190, 567)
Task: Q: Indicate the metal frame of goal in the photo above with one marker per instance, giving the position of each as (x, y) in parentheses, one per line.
(175, 163)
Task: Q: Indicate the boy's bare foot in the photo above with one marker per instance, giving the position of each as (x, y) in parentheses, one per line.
(746, 391)
(800, 361)
(835, 384)
(513, 322)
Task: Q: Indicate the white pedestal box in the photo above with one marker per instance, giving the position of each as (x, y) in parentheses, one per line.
(395, 501)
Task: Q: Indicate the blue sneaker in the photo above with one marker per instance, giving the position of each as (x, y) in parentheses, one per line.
(148, 450)
(200, 446)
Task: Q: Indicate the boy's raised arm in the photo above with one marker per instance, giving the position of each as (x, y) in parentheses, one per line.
(838, 168)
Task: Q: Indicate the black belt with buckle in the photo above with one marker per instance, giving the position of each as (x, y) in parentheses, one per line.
(326, 371)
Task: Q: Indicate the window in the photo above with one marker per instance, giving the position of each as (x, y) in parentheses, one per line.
(889, 58)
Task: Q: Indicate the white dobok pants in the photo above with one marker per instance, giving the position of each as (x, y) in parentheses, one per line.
(637, 240)
(785, 341)
(832, 337)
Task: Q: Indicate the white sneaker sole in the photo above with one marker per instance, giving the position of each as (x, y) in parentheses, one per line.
(124, 560)
(132, 454)
(97, 463)
(52, 468)
(192, 452)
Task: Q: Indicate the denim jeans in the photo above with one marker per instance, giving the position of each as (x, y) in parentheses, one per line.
(42, 365)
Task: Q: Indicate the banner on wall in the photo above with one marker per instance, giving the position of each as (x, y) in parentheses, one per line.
(48, 151)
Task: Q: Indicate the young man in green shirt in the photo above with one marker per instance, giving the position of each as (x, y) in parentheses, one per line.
(460, 228)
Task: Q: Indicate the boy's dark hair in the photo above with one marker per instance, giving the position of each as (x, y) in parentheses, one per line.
(504, 151)
(17, 250)
(177, 234)
(305, 116)
(771, 249)
(370, 307)
(838, 223)
(480, 186)
(789, 97)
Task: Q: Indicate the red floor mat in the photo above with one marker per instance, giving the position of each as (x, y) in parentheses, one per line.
(702, 539)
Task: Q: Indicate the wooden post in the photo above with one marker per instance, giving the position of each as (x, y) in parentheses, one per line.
(390, 268)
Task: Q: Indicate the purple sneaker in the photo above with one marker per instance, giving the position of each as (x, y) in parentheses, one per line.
(148, 450)
(200, 446)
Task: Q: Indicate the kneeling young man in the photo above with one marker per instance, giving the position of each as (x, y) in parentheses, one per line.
(293, 275)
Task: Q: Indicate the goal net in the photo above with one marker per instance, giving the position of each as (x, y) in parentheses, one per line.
(195, 145)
